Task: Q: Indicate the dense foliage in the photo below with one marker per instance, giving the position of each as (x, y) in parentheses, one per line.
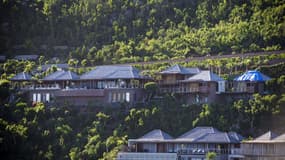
(140, 30)
(41, 132)
(85, 33)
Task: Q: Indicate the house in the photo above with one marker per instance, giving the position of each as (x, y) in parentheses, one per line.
(22, 81)
(203, 87)
(192, 84)
(104, 84)
(52, 85)
(250, 82)
(28, 57)
(121, 83)
(194, 144)
(171, 76)
(267, 146)
(245, 85)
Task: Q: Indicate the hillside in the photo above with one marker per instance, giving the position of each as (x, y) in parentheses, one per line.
(93, 132)
(140, 30)
(227, 37)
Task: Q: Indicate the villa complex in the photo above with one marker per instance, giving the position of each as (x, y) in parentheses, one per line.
(124, 83)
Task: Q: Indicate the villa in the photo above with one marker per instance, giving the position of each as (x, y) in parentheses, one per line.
(194, 144)
(203, 86)
(267, 146)
(104, 84)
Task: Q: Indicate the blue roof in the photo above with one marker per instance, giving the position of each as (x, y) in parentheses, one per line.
(23, 76)
(205, 76)
(61, 75)
(252, 76)
(114, 72)
(177, 69)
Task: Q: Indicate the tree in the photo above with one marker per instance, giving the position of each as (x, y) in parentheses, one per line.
(211, 156)
(4, 90)
(150, 88)
(83, 62)
(41, 60)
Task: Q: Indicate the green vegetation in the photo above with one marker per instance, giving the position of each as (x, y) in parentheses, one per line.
(41, 132)
(211, 156)
(92, 32)
(97, 32)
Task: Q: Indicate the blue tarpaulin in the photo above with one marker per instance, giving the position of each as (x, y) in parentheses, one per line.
(252, 76)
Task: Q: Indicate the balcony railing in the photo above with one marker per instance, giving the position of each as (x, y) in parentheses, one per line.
(249, 89)
(184, 90)
(80, 93)
(201, 151)
(146, 156)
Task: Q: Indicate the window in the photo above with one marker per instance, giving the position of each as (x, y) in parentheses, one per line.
(114, 97)
(39, 97)
(47, 97)
(124, 96)
(149, 147)
(34, 97)
(110, 97)
(119, 97)
(197, 98)
(128, 96)
(100, 85)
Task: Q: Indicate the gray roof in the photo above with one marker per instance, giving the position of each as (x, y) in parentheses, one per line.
(213, 138)
(209, 135)
(2, 58)
(47, 66)
(221, 137)
(114, 72)
(196, 135)
(235, 136)
(197, 132)
(280, 138)
(266, 137)
(205, 76)
(61, 75)
(156, 135)
(23, 76)
(177, 69)
(27, 57)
